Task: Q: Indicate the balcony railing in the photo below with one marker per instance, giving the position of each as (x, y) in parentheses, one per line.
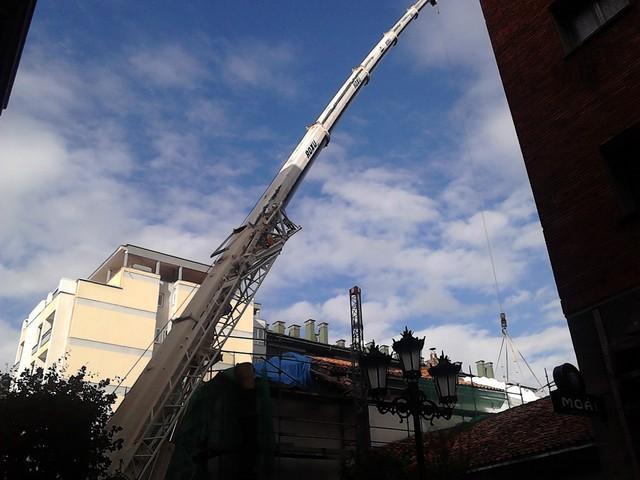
(43, 340)
(45, 337)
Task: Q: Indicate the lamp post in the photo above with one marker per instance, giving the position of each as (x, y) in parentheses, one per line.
(412, 401)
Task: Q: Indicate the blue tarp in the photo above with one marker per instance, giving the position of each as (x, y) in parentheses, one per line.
(289, 369)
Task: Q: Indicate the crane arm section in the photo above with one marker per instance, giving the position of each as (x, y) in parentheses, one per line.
(318, 133)
(150, 412)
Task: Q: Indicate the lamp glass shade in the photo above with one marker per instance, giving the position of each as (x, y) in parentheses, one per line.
(409, 349)
(445, 379)
(375, 364)
(377, 377)
(410, 361)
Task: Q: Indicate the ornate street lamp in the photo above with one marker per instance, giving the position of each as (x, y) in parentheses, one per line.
(408, 349)
(412, 401)
(445, 378)
(375, 365)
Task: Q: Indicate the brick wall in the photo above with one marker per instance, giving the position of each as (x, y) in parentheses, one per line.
(564, 107)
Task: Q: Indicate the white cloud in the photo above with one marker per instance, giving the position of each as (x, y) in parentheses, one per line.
(73, 190)
(488, 159)
(212, 117)
(32, 157)
(470, 342)
(420, 256)
(471, 231)
(378, 226)
(9, 335)
(456, 36)
(168, 66)
(252, 64)
(465, 342)
(518, 298)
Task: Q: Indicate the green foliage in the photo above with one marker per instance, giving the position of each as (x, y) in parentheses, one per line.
(53, 427)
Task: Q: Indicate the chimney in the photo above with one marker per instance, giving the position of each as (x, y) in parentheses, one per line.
(481, 372)
(323, 332)
(310, 329)
(294, 331)
(341, 343)
(488, 369)
(278, 327)
(384, 349)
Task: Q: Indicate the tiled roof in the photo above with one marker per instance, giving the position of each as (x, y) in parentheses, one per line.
(332, 370)
(340, 366)
(515, 434)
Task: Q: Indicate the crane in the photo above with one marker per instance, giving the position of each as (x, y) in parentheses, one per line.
(363, 434)
(151, 410)
(357, 329)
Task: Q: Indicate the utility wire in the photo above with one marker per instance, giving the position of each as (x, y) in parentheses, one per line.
(470, 159)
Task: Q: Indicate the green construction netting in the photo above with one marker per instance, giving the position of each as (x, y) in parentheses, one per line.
(226, 432)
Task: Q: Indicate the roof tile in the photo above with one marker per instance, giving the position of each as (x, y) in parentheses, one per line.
(529, 429)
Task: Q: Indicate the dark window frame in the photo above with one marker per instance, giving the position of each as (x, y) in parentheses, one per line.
(618, 154)
(560, 12)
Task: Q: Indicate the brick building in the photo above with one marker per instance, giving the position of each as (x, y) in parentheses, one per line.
(15, 19)
(571, 73)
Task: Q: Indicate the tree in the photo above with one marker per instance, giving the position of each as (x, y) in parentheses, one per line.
(53, 427)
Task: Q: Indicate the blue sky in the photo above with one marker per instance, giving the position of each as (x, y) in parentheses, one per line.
(160, 123)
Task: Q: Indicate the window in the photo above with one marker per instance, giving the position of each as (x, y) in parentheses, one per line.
(160, 299)
(259, 335)
(46, 328)
(578, 20)
(39, 336)
(45, 337)
(622, 154)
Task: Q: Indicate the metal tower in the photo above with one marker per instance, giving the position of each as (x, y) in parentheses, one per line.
(363, 435)
(357, 330)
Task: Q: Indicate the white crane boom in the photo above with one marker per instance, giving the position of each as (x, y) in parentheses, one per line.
(151, 410)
